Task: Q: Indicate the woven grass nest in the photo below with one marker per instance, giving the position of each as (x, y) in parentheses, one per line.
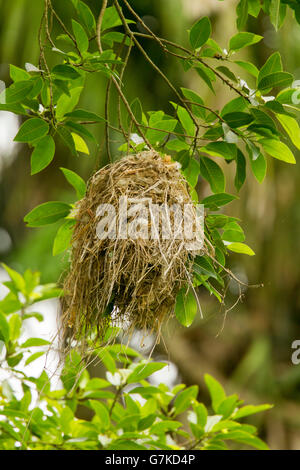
(125, 281)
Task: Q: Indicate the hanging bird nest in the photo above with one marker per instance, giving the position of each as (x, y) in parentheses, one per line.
(131, 274)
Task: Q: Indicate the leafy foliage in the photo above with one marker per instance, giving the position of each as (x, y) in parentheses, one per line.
(251, 128)
(128, 412)
(259, 123)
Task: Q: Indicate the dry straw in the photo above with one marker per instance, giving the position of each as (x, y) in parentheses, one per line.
(129, 282)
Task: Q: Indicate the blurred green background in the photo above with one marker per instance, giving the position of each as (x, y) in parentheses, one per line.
(249, 348)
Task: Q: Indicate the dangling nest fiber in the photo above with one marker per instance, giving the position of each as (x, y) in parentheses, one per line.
(128, 281)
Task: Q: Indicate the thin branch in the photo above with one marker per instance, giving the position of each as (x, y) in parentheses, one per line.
(99, 25)
(115, 81)
(153, 65)
(140, 20)
(107, 101)
(63, 26)
(42, 59)
(191, 55)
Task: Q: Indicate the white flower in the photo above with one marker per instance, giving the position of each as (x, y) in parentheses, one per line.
(268, 98)
(211, 421)
(104, 440)
(229, 136)
(119, 377)
(192, 417)
(114, 379)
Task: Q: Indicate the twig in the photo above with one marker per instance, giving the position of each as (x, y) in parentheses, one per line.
(99, 25)
(153, 65)
(191, 55)
(115, 82)
(140, 20)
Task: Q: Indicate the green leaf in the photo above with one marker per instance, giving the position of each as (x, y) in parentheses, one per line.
(185, 399)
(107, 360)
(207, 75)
(10, 303)
(291, 127)
(227, 406)
(15, 324)
(17, 74)
(227, 72)
(242, 14)
(248, 66)
(216, 391)
(201, 413)
(259, 167)
(277, 12)
(80, 144)
(213, 174)
(86, 16)
(250, 410)
(34, 342)
(18, 91)
(186, 121)
(82, 115)
(14, 359)
(254, 7)
(200, 32)
(167, 126)
(245, 438)
(47, 213)
(235, 105)
(191, 173)
(203, 267)
(96, 383)
(43, 154)
(82, 40)
(272, 65)
(192, 96)
(65, 72)
(16, 278)
(234, 234)
(47, 291)
(33, 357)
(237, 119)
(32, 129)
(240, 175)
(101, 412)
(38, 316)
(177, 145)
(241, 40)
(220, 149)
(16, 108)
(241, 248)
(68, 140)
(76, 181)
(37, 88)
(66, 104)
(111, 19)
(80, 130)
(186, 307)
(277, 79)
(4, 329)
(218, 200)
(278, 150)
(63, 237)
(137, 110)
(144, 370)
